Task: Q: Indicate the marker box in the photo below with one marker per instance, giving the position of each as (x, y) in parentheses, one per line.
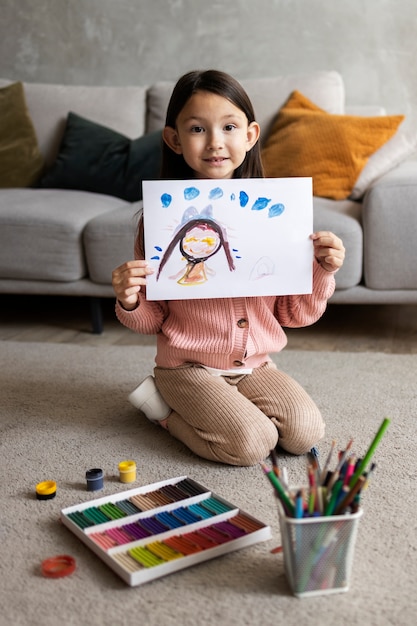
(318, 552)
(151, 531)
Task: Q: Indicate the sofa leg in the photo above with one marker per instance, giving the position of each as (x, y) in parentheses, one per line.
(96, 315)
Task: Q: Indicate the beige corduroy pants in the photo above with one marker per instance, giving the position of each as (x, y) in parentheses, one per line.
(239, 420)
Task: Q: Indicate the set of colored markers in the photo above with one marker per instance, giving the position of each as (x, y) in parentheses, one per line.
(329, 492)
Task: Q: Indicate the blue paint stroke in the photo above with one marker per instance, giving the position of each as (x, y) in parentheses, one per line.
(166, 200)
(189, 214)
(158, 248)
(216, 193)
(275, 210)
(260, 204)
(190, 193)
(207, 212)
(232, 196)
(155, 258)
(243, 198)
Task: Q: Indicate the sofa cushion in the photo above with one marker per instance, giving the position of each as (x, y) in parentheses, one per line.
(266, 94)
(399, 148)
(47, 225)
(343, 217)
(307, 141)
(120, 108)
(109, 241)
(390, 230)
(95, 158)
(21, 162)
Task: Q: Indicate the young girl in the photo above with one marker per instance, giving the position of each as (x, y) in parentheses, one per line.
(215, 387)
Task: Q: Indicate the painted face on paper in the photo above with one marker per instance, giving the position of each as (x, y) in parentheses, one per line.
(200, 242)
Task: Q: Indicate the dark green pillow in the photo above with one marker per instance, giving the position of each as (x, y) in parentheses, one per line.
(96, 158)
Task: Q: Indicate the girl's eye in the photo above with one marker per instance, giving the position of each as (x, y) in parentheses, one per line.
(197, 129)
(229, 127)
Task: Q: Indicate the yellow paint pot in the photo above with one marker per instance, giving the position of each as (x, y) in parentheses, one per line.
(127, 471)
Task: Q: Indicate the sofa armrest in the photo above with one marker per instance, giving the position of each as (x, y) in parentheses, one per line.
(389, 219)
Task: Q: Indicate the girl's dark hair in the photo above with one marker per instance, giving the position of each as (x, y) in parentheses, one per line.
(221, 84)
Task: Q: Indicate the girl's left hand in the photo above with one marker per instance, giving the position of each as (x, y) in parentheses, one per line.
(328, 250)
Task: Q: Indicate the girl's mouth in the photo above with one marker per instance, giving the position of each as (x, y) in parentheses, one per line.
(216, 160)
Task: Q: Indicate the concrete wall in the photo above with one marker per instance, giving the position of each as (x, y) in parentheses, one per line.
(372, 43)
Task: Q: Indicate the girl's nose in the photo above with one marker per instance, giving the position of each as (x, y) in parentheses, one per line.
(214, 140)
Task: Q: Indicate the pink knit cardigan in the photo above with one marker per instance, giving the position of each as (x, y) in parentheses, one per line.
(226, 333)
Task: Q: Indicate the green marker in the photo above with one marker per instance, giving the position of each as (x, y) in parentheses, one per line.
(288, 505)
(333, 498)
(370, 452)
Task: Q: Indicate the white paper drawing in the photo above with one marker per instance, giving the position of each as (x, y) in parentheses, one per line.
(228, 238)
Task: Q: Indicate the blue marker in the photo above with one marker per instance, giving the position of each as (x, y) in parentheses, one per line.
(299, 505)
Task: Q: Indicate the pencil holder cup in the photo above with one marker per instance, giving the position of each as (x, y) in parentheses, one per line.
(318, 552)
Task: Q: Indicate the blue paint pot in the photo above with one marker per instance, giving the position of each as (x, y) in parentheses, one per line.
(94, 479)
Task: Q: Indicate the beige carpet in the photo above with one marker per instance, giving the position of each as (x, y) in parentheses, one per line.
(64, 410)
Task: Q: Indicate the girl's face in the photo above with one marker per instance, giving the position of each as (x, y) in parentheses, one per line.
(212, 134)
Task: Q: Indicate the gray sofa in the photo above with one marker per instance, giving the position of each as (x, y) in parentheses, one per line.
(67, 241)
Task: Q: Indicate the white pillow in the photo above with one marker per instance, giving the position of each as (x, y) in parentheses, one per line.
(394, 152)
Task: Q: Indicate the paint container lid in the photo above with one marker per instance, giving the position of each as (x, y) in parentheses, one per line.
(58, 566)
(127, 466)
(94, 479)
(46, 490)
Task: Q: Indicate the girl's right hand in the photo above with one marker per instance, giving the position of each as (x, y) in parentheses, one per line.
(127, 280)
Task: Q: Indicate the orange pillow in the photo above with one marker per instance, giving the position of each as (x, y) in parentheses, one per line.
(332, 149)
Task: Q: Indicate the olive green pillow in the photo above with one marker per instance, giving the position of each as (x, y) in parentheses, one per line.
(96, 158)
(21, 162)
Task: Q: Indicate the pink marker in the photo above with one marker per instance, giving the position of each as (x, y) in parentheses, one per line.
(349, 471)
